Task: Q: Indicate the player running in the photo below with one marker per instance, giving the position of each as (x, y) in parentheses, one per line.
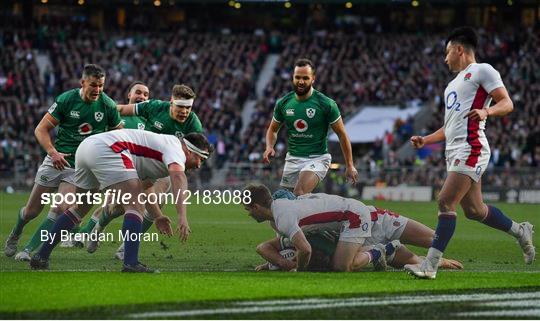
(387, 231)
(122, 160)
(467, 101)
(307, 113)
(357, 225)
(78, 113)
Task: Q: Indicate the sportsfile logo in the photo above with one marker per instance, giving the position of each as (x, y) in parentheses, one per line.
(112, 196)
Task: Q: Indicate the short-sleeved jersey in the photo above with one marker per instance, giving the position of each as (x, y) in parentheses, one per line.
(150, 153)
(319, 212)
(307, 122)
(158, 119)
(469, 90)
(133, 122)
(78, 119)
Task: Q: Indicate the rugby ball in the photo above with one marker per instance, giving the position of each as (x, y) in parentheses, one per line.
(287, 254)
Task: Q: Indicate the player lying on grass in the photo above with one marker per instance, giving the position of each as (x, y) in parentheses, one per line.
(120, 160)
(387, 231)
(357, 225)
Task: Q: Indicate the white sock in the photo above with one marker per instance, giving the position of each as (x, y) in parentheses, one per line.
(434, 256)
(515, 230)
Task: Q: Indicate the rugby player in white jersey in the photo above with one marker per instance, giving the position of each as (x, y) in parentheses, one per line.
(121, 161)
(467, 107)
(357, 225)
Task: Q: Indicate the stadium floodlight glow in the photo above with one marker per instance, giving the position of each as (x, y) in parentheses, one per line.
(238, 5)
(415, 3)
(44, 1)
(232, 3)
(136, 2)
(157, 3)
(80, 2)
(287, 4)
(510, 2)
(348, 5)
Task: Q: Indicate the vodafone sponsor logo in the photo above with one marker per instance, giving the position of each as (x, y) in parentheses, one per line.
(300, 125)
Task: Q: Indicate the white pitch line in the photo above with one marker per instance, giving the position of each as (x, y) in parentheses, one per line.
(292, 305)
(512, 304)
(442, 297)
(504, 313)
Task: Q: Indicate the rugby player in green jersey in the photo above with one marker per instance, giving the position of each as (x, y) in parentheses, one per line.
(307, 114)
(173, 118)
(78, 113)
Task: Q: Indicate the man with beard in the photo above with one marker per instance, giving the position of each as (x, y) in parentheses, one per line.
(307, 113)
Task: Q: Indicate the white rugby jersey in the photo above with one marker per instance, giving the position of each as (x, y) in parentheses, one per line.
(469, 90)
(149, 153)
(319, 212)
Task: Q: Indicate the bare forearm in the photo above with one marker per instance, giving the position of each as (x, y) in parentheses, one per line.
(271, 138)
(44, 139)
(502, 108)
(346, 149)
(179, 186)
(435, 137)
(126, 110)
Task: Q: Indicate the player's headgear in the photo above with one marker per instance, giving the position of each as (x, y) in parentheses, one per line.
(198, 144)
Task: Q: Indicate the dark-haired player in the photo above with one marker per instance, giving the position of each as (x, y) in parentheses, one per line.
(78, 113)
(307, 114)
(467, 101)
(121, 160)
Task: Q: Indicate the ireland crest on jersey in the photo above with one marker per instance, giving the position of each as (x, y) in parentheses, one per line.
(98, 116)
(310, 112)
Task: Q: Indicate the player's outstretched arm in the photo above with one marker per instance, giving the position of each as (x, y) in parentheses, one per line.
(269, 250)
(179, 186)
(126, 110)
(339, 128)
(303, 250)
(420, 141)
(43, 137)
(271, 138)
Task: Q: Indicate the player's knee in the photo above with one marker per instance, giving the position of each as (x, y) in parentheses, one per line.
(260, 248)
(298, 191)
(445, 205)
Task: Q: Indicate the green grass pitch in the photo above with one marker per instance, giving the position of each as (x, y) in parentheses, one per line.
(212, 276)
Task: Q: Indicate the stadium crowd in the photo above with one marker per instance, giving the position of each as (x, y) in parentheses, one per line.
(352, 68)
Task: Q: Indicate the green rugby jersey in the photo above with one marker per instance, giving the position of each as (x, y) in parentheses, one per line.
(133, 122)
(307, 122)
(158, 119)
(78, 119)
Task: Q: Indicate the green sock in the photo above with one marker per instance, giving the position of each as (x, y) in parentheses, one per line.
(89, 226)
(146, 224)
(35, 241)
(105, 218)
(17, 230)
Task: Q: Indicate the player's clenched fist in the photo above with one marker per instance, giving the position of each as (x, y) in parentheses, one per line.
(417, 141)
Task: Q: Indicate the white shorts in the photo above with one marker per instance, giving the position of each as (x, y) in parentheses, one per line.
(364, 228)
(387, 227)
(462, 161)
(294, 165)
(49, 176)
(98, 166)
